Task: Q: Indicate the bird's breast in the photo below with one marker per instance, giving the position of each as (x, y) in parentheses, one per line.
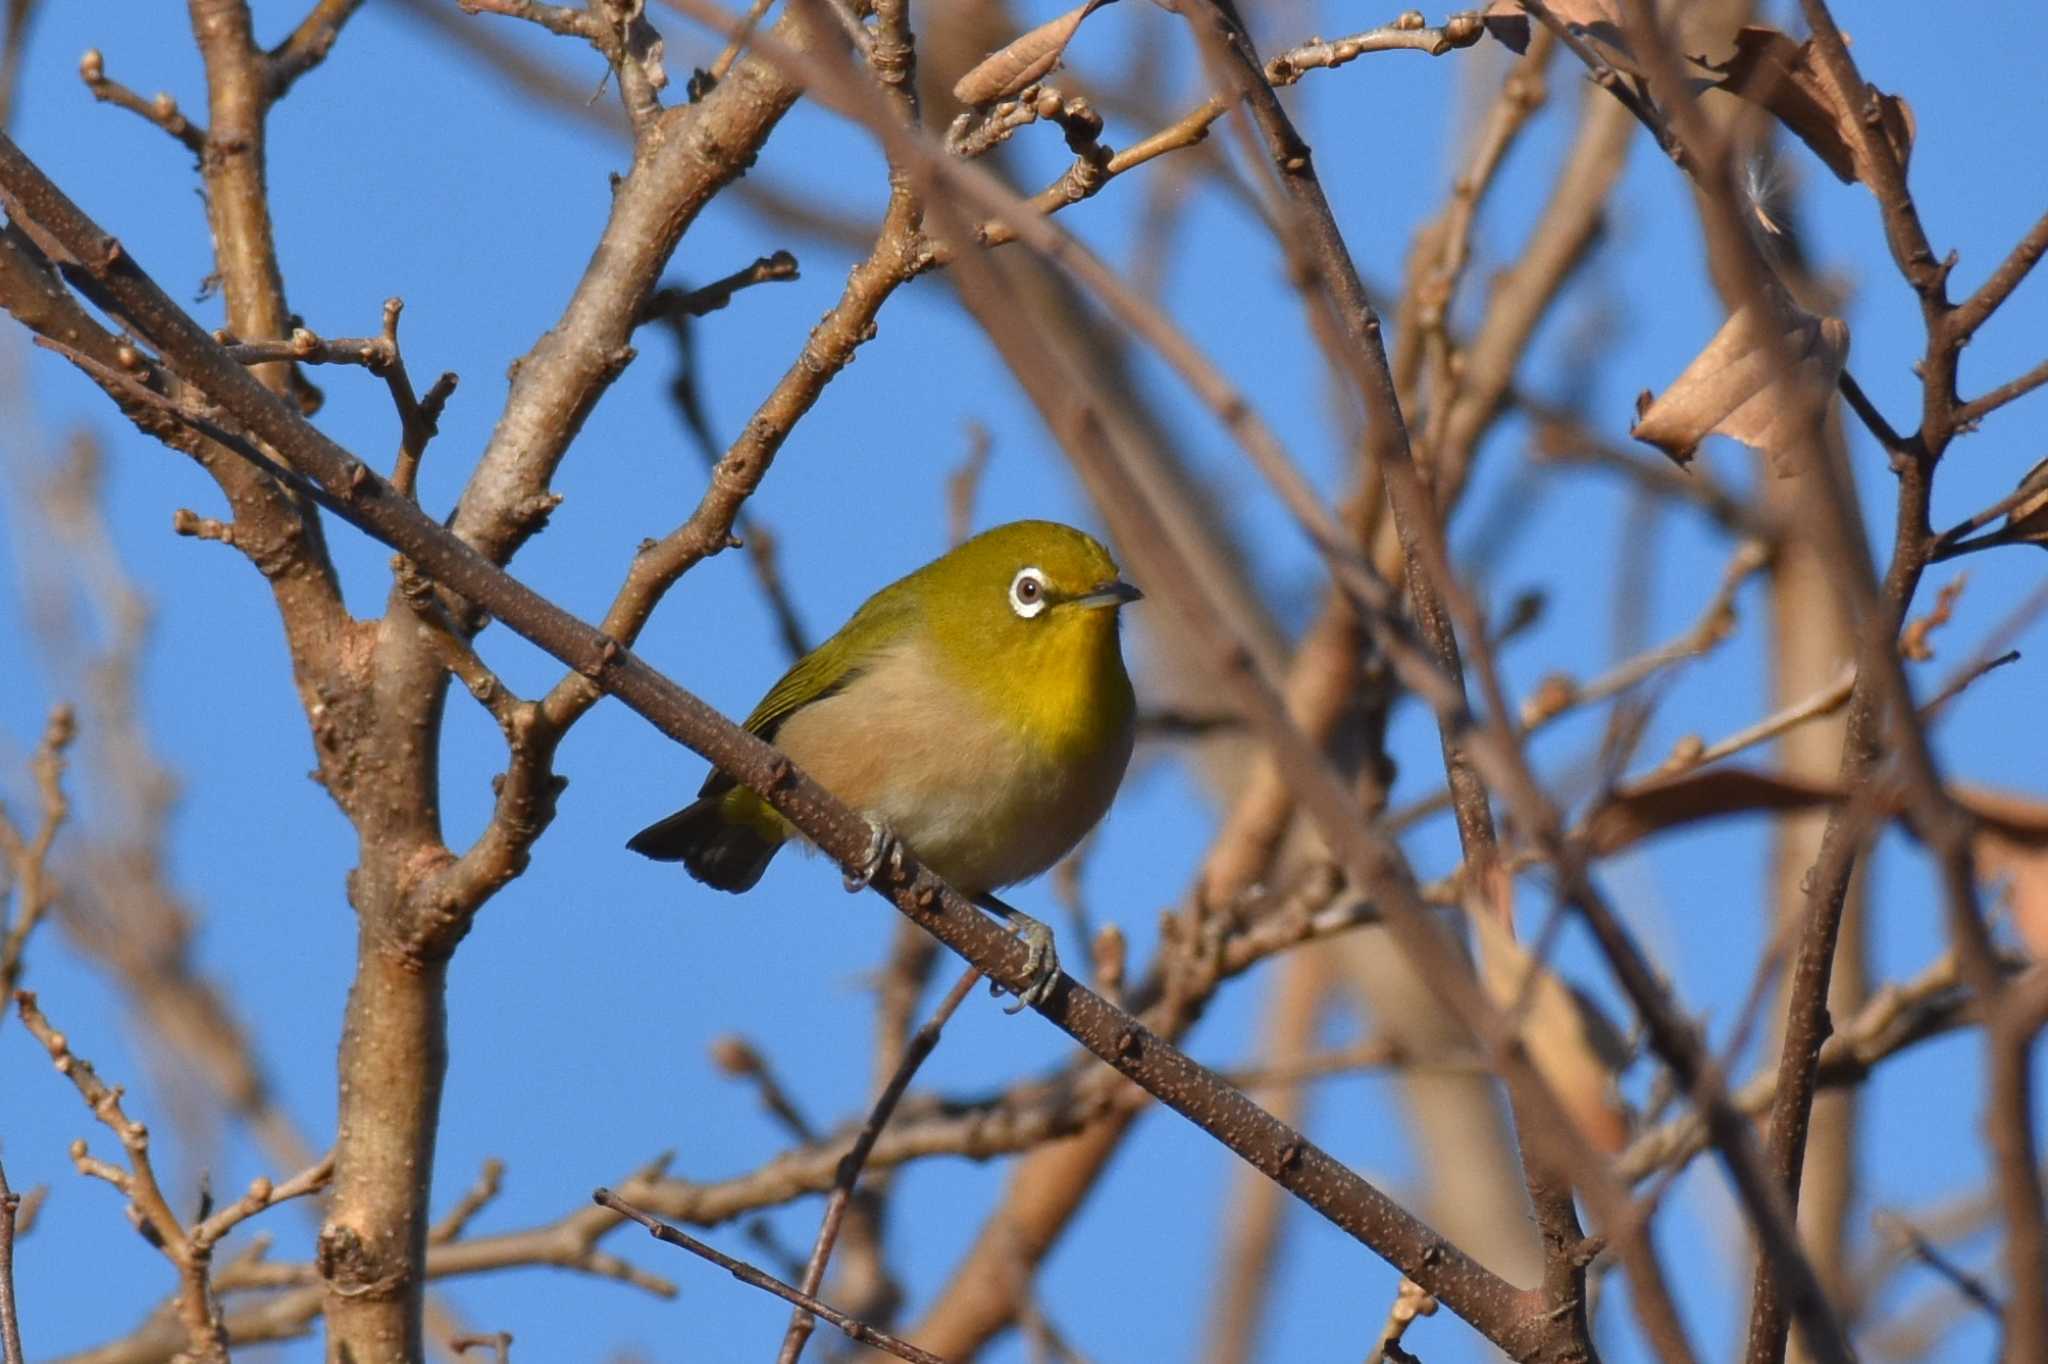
(985, 795)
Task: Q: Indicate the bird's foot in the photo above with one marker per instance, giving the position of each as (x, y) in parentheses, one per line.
(884, 849)
(1042, 958)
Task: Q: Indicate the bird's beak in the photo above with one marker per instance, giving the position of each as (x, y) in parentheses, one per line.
(1115, 592)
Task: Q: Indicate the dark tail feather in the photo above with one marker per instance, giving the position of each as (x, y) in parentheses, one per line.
(717, 852)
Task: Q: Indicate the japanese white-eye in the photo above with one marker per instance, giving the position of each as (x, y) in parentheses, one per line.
(977, 709)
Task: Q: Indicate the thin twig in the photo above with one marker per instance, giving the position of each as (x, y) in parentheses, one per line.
(1088, 174)
(499, 1343)
(162, 111)
(921, 1044)
(678, 302)
(1410, 1302)
(739, 1059)
(27, 858)
(1716, 621)
(190, 1249)
(10, 1322)
(857, 1331)
(964, 482)
(456, 1220)
(307, 45)
(1929, 1254)
(2026, 253)
(1979, 408)
(734, 45)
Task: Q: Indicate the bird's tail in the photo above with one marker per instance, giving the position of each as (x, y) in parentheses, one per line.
(719, 850)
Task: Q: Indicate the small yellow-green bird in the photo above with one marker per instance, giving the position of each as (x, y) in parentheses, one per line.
(977, 709)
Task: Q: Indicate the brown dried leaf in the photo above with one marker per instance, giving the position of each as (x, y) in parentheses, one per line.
(1771, 70)
(1027, 60)
(1591, 15)
(1584, 14)
(1733, 387)
(1574, 1046)
(1599, 21)
(1507, 23)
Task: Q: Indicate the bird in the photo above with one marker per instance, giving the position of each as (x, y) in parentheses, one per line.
(977, 710)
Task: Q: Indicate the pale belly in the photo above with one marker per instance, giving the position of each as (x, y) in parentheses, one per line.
(974, 799)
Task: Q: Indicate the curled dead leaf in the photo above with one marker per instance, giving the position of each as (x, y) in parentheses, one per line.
(1597, 21)
(1025, 61)
(1574, 1046)
(1771, 70)
(1508, 23)
(1735, 388)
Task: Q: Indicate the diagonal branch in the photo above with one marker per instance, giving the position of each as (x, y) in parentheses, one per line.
(307, 45)
(2026, 253)
(807, 1306)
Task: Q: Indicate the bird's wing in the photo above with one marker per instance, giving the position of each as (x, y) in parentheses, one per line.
(825, 670)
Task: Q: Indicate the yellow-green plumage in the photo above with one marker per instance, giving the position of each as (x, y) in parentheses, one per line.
(977, 708)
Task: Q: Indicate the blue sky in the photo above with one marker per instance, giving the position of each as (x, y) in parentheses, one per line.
(582, 1005)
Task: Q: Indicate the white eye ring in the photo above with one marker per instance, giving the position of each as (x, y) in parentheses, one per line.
(1027, 592)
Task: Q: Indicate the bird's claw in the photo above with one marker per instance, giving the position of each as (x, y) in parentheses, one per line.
(883, 849)
(1041, 961)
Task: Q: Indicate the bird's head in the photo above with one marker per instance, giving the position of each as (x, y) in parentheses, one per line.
(1030, 611)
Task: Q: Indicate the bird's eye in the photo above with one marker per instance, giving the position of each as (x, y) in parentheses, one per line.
(1027, 592)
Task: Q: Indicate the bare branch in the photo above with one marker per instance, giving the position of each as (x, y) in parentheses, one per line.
(499, 1343)
(675, 302)
(1973, 311)
(734, 45)
(27, 856)
(308, 45)
(1898, 1229)
(1410, 1302)
(10, 1321)
(1979, 408)
(856, 1331)
(737, 1058)
(473, 1201)
(920, 1046)
(190, 1250)
(162, 110)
